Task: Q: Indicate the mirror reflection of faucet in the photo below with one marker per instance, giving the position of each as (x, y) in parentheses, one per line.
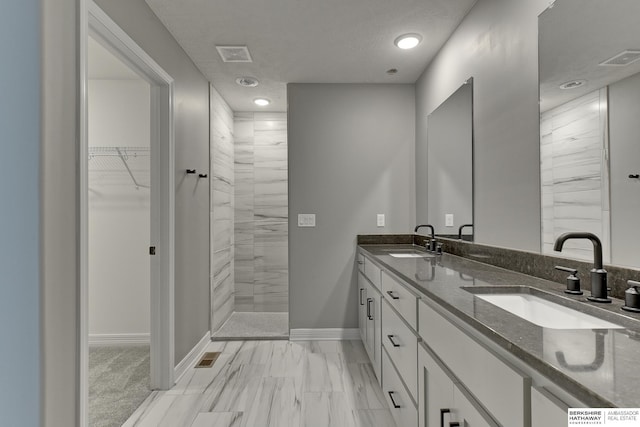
(422, 276)
(588, 367)
(461, 228)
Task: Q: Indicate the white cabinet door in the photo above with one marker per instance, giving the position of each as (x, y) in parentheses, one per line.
(362, 307)
(468, 414)
(373, 317)
(435, 391)
(375, 339)
(546, 409)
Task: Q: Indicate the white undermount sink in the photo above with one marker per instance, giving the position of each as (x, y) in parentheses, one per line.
(409, 255)
(545, 313)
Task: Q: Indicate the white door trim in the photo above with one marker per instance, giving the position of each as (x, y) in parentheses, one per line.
(94, 22)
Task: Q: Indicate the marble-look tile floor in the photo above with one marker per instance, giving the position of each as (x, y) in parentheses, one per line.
(254, 326)
(273, 384)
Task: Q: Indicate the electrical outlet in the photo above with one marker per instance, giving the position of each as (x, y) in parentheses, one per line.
(448, 220)
(380, 220)
(306, 220)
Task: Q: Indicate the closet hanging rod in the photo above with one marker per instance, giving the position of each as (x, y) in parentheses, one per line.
(119, 151)
(126, 165)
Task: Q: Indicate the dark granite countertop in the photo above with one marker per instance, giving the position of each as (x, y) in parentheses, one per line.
(599, 367)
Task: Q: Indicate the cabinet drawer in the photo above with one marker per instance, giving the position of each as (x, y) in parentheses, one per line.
(401, 299)
(400, 404)
(402, 346)
(504, 391)
(372, 272)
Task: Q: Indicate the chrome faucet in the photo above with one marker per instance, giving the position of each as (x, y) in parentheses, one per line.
(432, 243)
(598, 273)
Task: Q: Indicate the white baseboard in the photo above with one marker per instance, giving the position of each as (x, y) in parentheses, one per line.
(326, 334)
(104, 340)
(193, 357)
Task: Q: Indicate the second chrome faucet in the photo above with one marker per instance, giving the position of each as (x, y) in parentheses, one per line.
(598, 273)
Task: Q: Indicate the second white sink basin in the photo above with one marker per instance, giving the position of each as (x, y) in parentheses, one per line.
(409, 255)
(545, 313)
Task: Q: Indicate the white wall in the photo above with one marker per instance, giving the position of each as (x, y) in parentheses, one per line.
(351, 149)
(20, 130)
(59, 230)
(192, 216)
(496, 44)
(119, 214)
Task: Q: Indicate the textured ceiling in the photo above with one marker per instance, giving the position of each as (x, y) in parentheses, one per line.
(576, 36)
(308, 41)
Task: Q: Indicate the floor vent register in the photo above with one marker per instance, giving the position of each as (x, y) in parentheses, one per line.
(208, 359)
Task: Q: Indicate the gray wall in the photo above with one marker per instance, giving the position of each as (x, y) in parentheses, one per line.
(58, 226)
(20, 124)
(191, 108)
(624, 149)
(496, 44)
(351, 151)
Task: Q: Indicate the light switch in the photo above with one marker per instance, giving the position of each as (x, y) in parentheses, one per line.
(448, 220)
(380, 220)
(306, 220)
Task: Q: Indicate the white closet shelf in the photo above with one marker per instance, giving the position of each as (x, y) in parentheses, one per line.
(112, 162)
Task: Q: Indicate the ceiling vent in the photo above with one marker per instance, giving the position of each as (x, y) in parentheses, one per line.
(622, 59)
(234, 53)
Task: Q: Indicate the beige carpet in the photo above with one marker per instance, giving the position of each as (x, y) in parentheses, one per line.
(119, 380)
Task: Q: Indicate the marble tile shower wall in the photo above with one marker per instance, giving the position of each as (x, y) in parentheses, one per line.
(222, 177)
(574, 174)
(261, 179)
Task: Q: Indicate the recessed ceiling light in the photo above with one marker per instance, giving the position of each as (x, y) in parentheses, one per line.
(247, 81)
(573, 84)
(408, 41)
(261, 102)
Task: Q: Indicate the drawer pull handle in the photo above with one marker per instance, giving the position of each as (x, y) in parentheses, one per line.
(454, 424)
(369, 301)
(392, 295)
(392, 341)
(395, 405)
(442, 412)
(361, 302)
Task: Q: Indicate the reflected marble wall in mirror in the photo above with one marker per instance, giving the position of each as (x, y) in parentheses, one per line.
(589, 62)
(450, 165)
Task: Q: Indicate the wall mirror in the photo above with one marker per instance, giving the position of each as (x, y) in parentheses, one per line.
(589, 70)
(450, 165)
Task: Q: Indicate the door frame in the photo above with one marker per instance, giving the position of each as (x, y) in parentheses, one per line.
(96, 23)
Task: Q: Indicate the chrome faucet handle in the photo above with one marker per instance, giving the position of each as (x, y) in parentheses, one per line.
(632, 297)
(573, 282)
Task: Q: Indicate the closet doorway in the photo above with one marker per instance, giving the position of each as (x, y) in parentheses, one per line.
(126, 223)
(119, 238)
